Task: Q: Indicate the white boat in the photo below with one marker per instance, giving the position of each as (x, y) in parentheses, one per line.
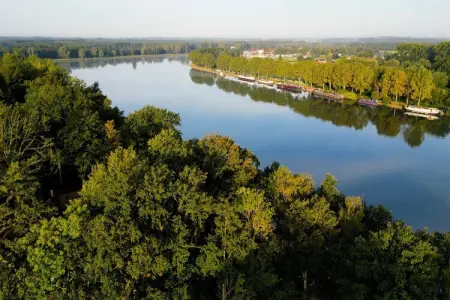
(423, 110)
(246, 82)
(246, 79)
(429, 117)
(230, 78)
(267, 83)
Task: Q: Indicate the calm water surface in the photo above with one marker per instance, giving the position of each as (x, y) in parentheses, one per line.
(385, 157)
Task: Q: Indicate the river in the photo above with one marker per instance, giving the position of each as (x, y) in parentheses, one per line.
(387, 158)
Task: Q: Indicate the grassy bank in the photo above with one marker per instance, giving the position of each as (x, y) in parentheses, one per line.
(207, 70)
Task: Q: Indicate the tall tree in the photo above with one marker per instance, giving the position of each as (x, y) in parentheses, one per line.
(421, 84)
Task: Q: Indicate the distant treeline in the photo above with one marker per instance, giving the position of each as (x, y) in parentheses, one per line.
(387, 80)
(52, 47)
(434, 57)
(98, 48)
(101, 50)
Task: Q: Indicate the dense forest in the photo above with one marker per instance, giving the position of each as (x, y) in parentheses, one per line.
(406, 75)
(153, 216)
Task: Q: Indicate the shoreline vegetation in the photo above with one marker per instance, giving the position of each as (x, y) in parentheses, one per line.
(235, 75)
(98, 205)
(395, 86)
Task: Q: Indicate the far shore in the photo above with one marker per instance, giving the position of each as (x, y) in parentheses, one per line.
(392, 104)
(118, 57)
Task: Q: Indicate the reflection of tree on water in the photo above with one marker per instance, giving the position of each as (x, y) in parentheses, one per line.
(388, 122)
(202, 78)
(338, 114)
(114, 61)
(255, 93)
(414, 135)
(183, 59)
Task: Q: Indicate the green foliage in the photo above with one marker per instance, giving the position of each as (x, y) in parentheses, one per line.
(144, 124)
(421, 83)
(412, 52)
(223, 61)
(390, 264)
(440, 80)
(159, 217)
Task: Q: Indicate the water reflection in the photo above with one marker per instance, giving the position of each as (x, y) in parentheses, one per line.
(114, 61)
(388, 122)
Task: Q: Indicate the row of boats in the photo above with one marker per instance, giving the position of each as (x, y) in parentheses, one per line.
(411, 110)
(429, 113)
(293, 88)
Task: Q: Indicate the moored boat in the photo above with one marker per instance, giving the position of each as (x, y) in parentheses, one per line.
(423, 110)
(289, 87)
(368, 102)
(267, 83)
(247, 79)
(309, 89)
(333, 96)
(429, 117)
(230, 78)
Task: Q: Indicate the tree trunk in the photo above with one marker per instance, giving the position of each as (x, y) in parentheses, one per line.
(224, 292)
(418, 103)
(305, 280)
(329, 84)
(60, 175)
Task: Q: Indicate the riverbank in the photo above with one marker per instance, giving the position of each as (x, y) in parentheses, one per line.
(207, 70)
(350, 96)
(57, 60)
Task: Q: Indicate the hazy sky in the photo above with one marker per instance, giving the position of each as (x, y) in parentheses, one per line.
(225, 18)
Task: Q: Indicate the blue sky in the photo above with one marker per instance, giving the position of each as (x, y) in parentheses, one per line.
(230, 18)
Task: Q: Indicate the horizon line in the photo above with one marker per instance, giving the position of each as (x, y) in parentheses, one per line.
(223, 37)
